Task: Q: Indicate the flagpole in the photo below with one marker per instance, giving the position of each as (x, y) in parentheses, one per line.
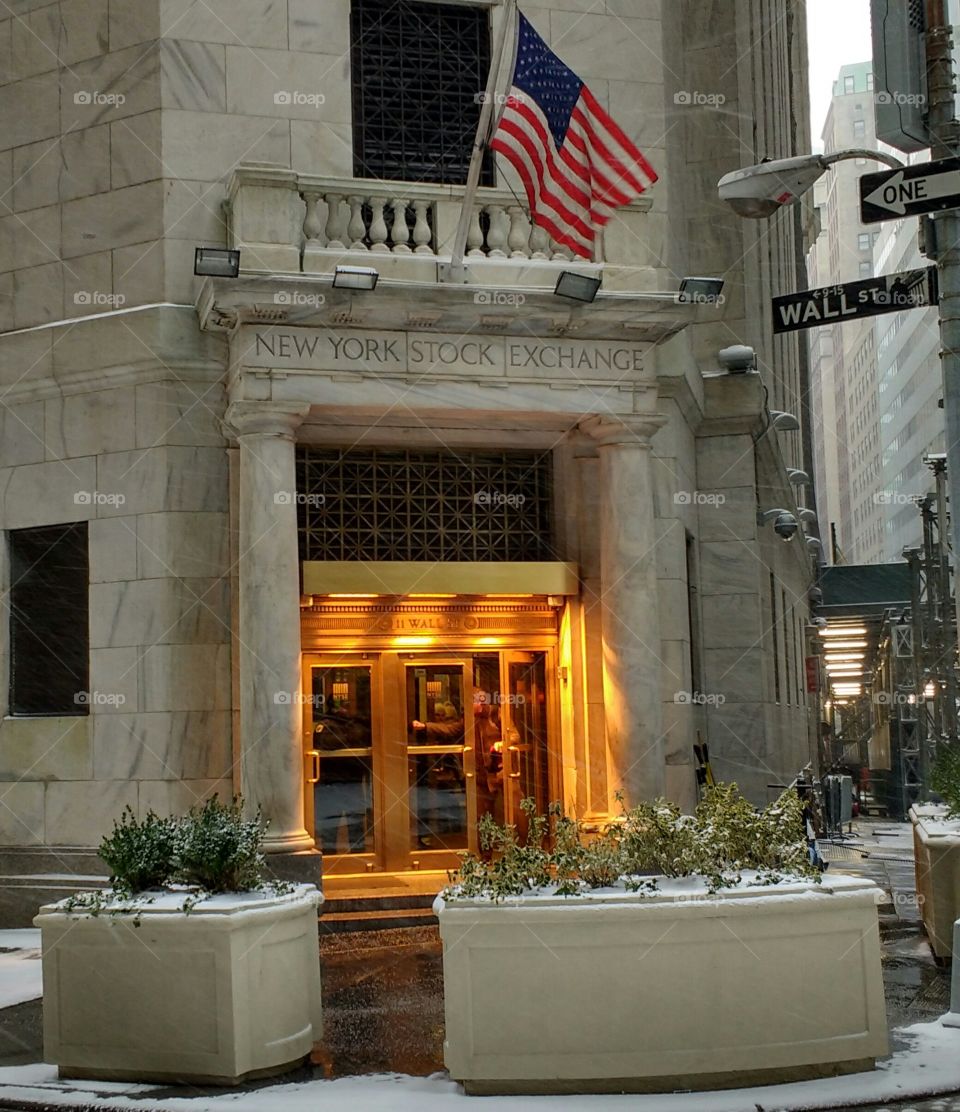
(455, 271)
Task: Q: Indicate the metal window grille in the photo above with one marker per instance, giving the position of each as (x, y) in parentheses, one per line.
(419, 71)
(381, 504)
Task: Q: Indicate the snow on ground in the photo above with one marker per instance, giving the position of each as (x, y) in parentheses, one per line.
(27, 938)
(21, 977)
(929, 1064)
(21, 972)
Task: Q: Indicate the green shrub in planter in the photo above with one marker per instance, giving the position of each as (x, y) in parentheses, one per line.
(724, 838)
(140, 855)
(219, 850)
(945, 778)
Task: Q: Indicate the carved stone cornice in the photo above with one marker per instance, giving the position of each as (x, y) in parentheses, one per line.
(276, 419)
(625, 430)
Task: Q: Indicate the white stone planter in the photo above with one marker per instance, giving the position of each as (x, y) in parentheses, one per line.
(227, 992)
(936, 854)
(616, 991)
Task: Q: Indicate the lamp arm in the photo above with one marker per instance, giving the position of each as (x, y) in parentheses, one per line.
(862, 152)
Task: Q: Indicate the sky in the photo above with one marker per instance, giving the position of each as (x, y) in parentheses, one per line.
(838, 33)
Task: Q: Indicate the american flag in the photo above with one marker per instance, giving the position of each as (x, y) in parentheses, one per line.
(575, 163)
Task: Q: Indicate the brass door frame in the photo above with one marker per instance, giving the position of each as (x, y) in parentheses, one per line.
(347, 862)
(400, 853)
(387, 659)
(552, 718)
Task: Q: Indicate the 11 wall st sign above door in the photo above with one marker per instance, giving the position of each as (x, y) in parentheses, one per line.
(888, 293)
(910, 190)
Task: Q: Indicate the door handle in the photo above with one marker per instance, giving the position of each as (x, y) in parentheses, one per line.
(515, 761)
(313, 767)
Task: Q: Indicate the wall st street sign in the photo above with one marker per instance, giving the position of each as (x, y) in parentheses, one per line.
(910, 190)
(888, 293)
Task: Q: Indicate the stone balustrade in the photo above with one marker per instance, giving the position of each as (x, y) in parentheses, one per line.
(362, 216)
(289, 222)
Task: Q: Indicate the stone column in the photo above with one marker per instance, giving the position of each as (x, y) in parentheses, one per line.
(271, 749)
(630, 622)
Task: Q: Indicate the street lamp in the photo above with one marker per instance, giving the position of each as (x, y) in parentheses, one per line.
(759, 191)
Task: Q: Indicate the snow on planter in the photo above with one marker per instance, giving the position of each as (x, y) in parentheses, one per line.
(227, 991)
(680, 989)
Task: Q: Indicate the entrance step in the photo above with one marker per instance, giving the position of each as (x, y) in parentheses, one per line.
(33, 876)
(340, 914)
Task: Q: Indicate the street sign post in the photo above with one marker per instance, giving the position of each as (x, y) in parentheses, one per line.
(910, 191)
(888, 293)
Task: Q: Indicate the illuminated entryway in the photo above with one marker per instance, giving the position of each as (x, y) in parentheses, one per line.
(408, 747)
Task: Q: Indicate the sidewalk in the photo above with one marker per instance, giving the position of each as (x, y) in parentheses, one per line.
(383, 1012)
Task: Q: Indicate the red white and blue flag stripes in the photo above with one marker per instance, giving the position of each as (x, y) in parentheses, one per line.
(575, 162)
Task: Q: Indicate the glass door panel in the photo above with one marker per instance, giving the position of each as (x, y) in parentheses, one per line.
(342, 745)
(525, 766)
(488, 735)
(440, 767)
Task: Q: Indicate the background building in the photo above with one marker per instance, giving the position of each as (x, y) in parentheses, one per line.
(846, 433)
(909, 388)
(269, 535)
(876, 382)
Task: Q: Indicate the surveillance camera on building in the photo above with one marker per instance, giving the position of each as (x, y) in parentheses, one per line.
(737, 359)
(786, 526)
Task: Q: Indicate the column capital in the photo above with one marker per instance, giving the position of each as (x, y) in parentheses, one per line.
(265, 419)
(627, 430)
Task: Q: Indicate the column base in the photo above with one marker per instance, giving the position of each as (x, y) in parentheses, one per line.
(292, 841)
(303, 867)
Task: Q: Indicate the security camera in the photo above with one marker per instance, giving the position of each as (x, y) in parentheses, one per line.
(785, 523)
(737, 359)
(783, 422)
(786, 526)
(761, 190)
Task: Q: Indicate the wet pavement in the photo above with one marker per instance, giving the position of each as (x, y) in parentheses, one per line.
(382, 1003)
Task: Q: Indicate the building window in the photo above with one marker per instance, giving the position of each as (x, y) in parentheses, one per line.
(789, 676)
(418, 70)
(859, 129)
(693, 604)
(869, 81)
(386, 504)
(776, 638)
(49, 625)
(848, 83)
(866, 269)
(864, 241)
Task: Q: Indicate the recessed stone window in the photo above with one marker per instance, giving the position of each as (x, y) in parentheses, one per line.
(49, 623)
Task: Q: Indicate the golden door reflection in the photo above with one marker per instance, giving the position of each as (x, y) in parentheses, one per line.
(525, 751)
(441, 780)
(343, 738)
(510, 716)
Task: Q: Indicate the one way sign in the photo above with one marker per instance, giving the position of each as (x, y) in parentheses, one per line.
(910, 191)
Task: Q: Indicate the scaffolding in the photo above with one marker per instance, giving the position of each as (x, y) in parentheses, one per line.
(914, 688)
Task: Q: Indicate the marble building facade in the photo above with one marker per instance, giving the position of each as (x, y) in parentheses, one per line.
(166, 412)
